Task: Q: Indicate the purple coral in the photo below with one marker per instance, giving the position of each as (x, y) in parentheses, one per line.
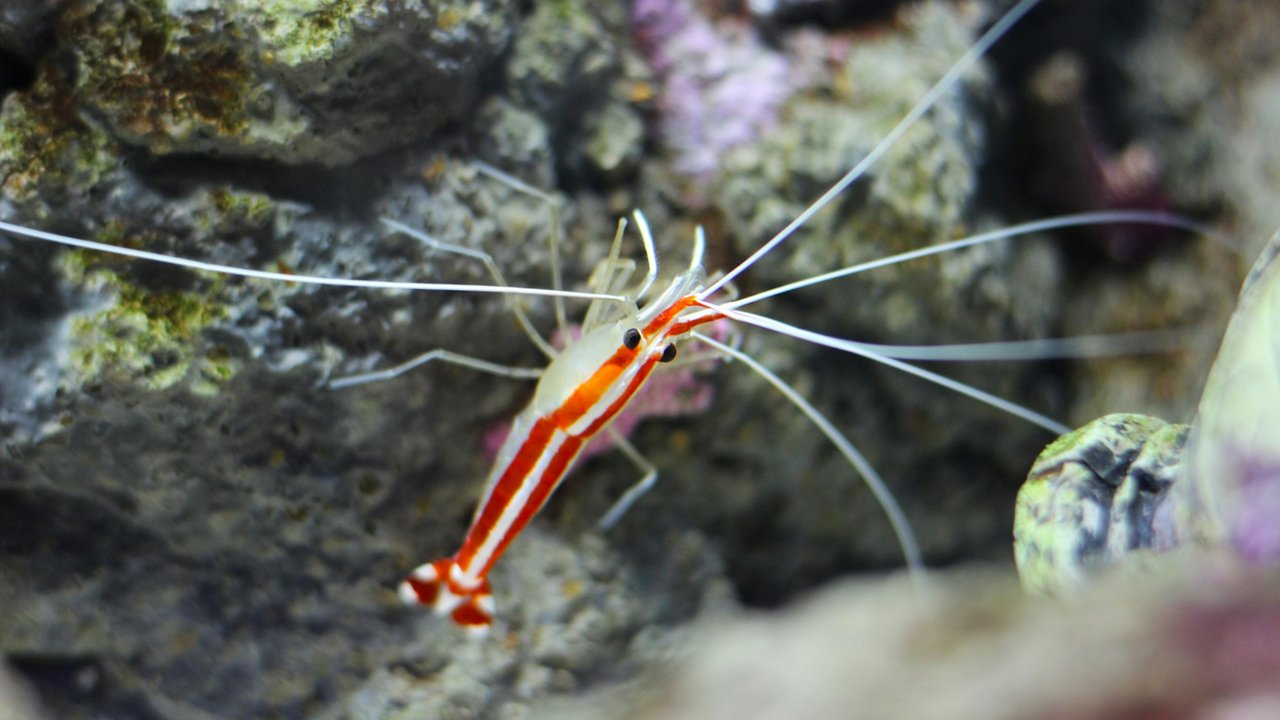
(721, 86)
(1255, 527)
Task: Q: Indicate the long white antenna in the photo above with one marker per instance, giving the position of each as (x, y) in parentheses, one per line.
(287, 277)
(848, 346)
(944, 85)
(1081, 346)
(1140, 217)
(898, 519)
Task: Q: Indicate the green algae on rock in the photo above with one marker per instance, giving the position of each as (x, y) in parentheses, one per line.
(150, 336)
(1096, 495)
(295, 82)
(47, 151)
(1123, 485)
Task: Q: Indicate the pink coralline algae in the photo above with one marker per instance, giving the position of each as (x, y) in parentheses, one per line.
(720, 85)
(1255, 532)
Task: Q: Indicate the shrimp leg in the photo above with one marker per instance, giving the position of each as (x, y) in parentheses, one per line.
(647, 480)
(448, 356)
(494, 272)
(445, 356)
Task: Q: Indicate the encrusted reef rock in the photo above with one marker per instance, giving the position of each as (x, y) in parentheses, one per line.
(1233, 458)
(192, 524)
(1126, 486)
(1095, 496)
(293, 82)
(1199, 641)
(26, 27)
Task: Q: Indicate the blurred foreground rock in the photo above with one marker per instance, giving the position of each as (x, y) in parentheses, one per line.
(1195, 637)
(17, 702)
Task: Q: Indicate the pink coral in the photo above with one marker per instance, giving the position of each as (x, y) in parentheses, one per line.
(1254, 532)
(721, 86)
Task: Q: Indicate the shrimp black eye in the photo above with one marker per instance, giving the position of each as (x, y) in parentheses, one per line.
(669, 353)
(631, 338)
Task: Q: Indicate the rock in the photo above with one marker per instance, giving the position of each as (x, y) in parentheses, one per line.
(1095, 496)
(26, 26)
(17, 702)
(1197, 641)
(1125, 485)
(303, 82)
(1232, 466)
(193, 522)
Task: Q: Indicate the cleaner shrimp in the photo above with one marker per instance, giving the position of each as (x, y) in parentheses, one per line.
(269, 433)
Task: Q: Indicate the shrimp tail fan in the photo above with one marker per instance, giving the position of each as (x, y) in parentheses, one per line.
(438, 585)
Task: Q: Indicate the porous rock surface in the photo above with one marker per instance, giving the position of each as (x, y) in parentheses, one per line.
(192, 525)
(291, 82)
(1133, 646)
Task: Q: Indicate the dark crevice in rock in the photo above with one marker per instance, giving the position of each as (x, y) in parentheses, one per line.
(15, 73)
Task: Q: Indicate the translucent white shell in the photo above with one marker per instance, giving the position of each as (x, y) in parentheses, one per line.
(1234, 453)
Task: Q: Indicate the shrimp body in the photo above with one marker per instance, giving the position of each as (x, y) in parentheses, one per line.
(582, 391)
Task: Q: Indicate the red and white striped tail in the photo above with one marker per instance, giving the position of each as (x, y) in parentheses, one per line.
(440, 586)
